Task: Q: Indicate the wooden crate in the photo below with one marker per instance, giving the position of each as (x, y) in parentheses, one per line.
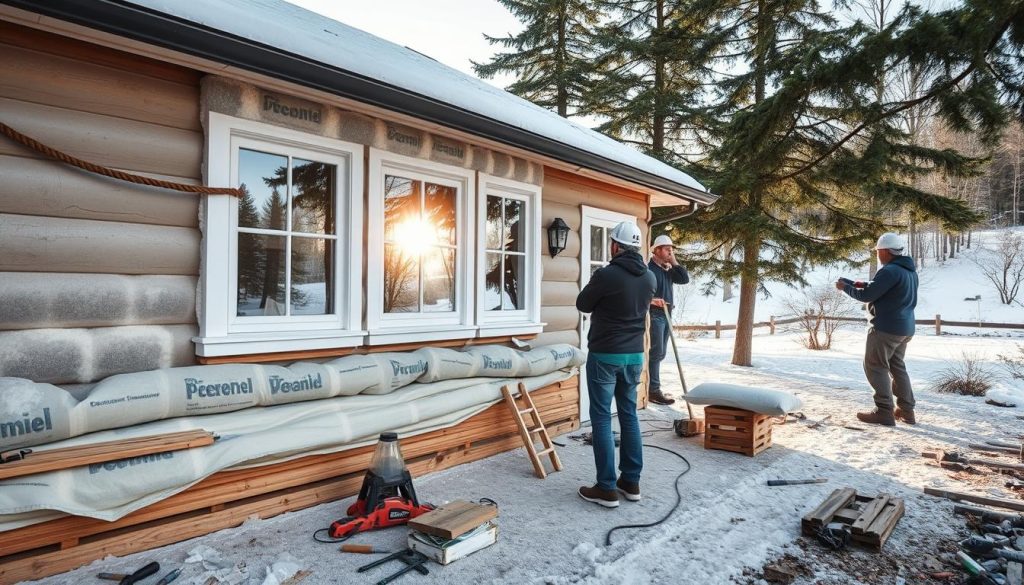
(871, 519)
(228, 498)
(737, 430)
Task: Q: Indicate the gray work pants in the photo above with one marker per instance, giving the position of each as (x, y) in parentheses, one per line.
(886, 370)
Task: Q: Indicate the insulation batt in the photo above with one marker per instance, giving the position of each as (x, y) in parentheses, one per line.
(33, 413)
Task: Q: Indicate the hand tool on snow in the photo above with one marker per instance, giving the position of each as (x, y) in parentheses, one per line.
(141, 574)
(166, 579)
(414, 560)
(775, 482)
(365, 549)
(692, 426)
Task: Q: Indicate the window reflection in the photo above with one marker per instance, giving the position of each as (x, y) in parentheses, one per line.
(506, 257)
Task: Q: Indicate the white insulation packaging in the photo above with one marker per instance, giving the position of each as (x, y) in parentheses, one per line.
(262, 414)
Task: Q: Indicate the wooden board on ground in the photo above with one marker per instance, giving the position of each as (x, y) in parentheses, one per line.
(871, 520)
(67, 457)
(454, 519)
(984, 500)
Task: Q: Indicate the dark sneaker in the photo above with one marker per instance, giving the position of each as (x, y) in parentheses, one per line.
(878, 417)
(628, 489)
(906, 416)
(659, 398)
(606, 498)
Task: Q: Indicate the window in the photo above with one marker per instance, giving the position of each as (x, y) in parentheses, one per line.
(509, 233)
(419, 278)
(282, 262)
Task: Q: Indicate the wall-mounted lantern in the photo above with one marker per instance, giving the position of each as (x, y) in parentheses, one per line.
(558, 235)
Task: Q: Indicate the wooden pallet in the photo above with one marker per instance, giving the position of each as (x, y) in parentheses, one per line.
(228, 498)
(871, 519)
(736, 430)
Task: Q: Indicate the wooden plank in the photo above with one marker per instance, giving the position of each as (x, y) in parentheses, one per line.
(868, 514)
(454, 519)
(886, 518)
(557, 404)
(105, 140)
(21, 36)
(837, 500)
(984, 500)
(50, 188)
(70, 83)
(80, 455)
(995, 448)
(83, 245)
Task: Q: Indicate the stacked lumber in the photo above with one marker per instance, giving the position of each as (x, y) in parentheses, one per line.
(871, 520)
(228, 498)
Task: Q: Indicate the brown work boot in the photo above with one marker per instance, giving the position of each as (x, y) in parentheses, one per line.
(606, 498)
(877, 417)
(906, 416)
(628, 489)
(659, 398)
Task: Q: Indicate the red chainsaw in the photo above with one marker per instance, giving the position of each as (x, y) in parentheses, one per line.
(386, 497)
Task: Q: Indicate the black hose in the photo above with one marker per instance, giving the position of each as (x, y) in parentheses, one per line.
(679, 497)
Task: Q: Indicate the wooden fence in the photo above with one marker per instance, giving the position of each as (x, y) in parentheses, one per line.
(772, 323)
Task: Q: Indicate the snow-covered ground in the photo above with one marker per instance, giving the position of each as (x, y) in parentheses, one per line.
(729, 523)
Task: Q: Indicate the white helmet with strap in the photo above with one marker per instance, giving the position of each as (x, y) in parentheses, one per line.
(626, 233)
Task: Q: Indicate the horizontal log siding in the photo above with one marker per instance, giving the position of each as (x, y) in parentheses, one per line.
(97, 276)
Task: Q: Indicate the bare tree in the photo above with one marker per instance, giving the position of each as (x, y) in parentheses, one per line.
(822, 310)
(1004, 266)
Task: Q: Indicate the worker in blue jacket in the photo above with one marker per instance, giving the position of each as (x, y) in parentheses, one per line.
(668, 272)
(891, 297)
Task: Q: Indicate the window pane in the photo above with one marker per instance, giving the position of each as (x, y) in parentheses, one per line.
(312, 276)
(313, 187)
(401, 208)
(596, 243)
(401, 280)
(263, 179)
(494, 223)
(492, 282)
(515, 277)
(515, 232)
(261, 278)
(439, 212)
(439, 280)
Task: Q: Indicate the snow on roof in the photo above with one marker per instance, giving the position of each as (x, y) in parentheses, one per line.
(298, 31)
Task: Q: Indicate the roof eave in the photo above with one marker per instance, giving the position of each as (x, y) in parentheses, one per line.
(155, 28)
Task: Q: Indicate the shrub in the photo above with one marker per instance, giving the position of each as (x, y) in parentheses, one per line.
(821, 310)
(1014, 364)
(969, 376)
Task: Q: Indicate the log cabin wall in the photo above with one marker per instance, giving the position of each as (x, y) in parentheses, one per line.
(97, 276)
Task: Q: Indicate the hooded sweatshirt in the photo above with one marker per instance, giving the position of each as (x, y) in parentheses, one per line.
(618, 296)
(891, 296)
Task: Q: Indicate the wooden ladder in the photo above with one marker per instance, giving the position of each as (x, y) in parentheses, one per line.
(528, 432)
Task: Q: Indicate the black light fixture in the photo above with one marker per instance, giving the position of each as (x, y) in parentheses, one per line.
(558, 234)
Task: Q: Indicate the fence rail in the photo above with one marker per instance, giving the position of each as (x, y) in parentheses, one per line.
(772, 323)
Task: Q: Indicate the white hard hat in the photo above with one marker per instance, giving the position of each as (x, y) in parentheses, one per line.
(889, 241)
(626, 233)
(662, 240)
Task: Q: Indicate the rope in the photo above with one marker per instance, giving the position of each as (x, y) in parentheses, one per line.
(65, 158)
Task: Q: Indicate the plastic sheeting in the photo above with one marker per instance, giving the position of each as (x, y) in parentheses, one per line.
(35, 414)
(249, 438)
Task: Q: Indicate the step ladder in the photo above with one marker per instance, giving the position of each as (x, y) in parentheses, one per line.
(530, 434)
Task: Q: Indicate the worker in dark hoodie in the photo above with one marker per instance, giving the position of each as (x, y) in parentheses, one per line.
(891, 297)
(618, 297)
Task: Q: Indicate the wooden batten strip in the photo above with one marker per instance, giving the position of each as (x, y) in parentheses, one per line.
(65, 458)
(557, 403)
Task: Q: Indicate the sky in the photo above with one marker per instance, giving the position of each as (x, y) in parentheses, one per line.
(449, 31)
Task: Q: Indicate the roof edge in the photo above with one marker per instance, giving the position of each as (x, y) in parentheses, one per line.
(162, 30)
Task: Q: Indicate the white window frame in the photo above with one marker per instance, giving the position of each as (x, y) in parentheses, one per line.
(513, 322)
(222, 332)
(414, 327)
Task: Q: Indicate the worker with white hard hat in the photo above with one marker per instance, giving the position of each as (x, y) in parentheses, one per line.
(617, 298)
(668, 273)
(891, 297)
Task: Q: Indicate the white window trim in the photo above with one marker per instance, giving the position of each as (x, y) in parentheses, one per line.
(527, 320)
(220, 331)
(398, 327)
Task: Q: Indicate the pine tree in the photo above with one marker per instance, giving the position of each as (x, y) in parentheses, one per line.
(648, 80)
(551, 57)
(798, 131)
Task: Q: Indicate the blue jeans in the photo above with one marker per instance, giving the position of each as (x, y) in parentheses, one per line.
(605, 381)
(659, 341)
